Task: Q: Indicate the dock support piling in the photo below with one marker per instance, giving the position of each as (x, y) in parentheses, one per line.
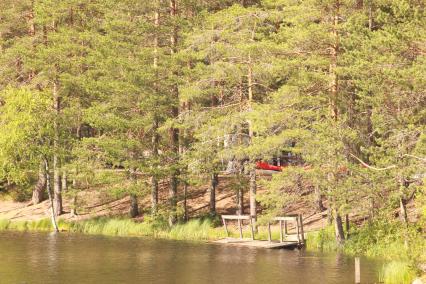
(281, 231)
(240, 228)
(357, 271)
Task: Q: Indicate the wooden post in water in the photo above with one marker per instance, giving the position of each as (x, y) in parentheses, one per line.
(269, 231)
(285, 228)
(281, 231)
(226, 229)
(240, 228)
(357, 271)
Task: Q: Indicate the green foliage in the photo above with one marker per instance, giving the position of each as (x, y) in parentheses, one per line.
(25, 133)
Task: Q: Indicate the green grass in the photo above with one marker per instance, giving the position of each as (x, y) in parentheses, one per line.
(40, 225)
(111, 227)
(397, 272)
(322, 240)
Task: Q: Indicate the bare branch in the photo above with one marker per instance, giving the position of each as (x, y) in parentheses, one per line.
(371, 167)
(415, 157)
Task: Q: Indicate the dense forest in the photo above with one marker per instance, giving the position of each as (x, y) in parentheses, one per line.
(140, 92)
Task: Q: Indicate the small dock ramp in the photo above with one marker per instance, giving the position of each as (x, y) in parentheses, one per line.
(289, 241)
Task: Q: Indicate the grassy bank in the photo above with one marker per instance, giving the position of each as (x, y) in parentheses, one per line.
(203, 229)
(402, 248)
(195, 230)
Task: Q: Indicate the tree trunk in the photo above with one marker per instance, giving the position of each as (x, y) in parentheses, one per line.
(318, 199)
(403, 211)
(338, 228)
(185, 205)
(253, 185)
(57, 194)
(333, 65)
(49, 193)
(253, 188)
(240, 201)
(213, 184)
(40, 186)
(64, 180)
(329, 216)
(174, 132)
(173, 200)
(155, 137)
(74, 199)
(74, 206)
(347, 225)
(134, 207)
(154, 181)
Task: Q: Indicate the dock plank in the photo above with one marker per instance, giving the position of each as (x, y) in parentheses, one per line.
(258, 243)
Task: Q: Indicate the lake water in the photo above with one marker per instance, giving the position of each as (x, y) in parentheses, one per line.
(71, 258)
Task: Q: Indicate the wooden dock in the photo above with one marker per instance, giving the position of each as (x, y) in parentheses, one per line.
(286, 240)
(259, 243)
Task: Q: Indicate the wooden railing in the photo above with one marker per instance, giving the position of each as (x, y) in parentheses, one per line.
(283, 221)
(298, 223)
(240, 218)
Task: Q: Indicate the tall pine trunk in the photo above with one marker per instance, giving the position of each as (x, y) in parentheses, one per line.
(318, 199)
(155, 136)
(174, 132)
(64, 180)
(57, 190)
(134, 207)
(240, 201)
(338, 228)
(213, 184)
(154, 181)
(252, 170)
(334, 89)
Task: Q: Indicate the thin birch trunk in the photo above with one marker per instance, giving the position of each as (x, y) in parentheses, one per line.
(49, 192)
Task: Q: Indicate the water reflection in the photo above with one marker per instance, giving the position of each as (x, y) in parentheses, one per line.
(62, 258)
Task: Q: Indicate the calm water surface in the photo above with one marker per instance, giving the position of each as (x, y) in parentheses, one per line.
(71, 258)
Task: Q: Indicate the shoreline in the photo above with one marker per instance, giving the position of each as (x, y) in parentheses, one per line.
(199, 231)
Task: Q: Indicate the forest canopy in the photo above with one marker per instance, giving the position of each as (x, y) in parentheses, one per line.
(181, 91)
